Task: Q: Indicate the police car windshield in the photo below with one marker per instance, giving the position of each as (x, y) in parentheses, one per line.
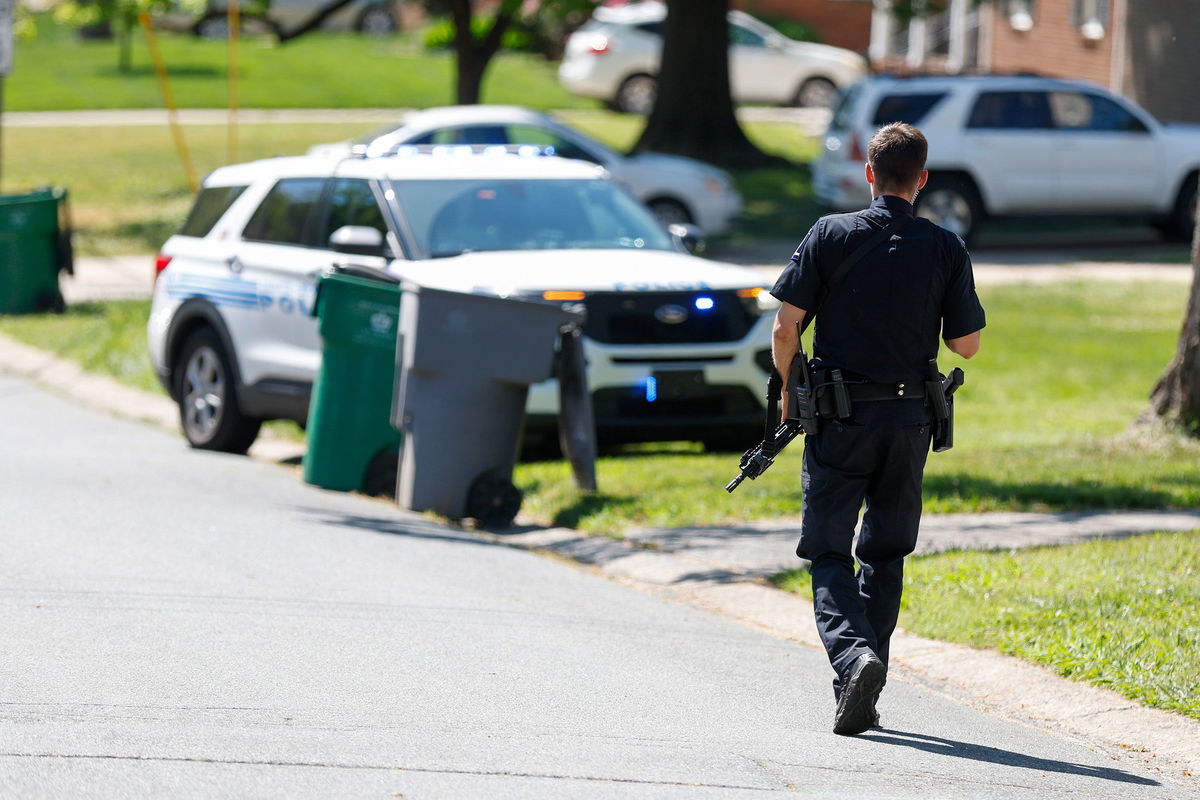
(451, 217)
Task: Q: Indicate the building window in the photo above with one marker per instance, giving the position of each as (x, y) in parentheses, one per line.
(1090, 17)
(1020, 14)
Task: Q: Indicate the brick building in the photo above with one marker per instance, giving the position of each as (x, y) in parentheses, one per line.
(842, 23)
(1140, 48)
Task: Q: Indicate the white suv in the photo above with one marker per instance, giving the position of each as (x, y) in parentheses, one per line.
(615, 56)
(677, 346)
(1019, 145)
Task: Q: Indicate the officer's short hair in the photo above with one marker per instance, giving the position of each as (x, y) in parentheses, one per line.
(897, 154)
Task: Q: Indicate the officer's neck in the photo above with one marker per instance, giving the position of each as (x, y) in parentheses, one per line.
(908, 197)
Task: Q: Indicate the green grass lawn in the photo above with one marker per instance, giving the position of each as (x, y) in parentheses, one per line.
(1042, 421)
(1121, 614)
(129, 191)
(55, 70)
(1041, 425)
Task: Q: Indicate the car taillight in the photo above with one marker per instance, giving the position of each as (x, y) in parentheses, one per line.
(160, 263)
(598, 45)
(856, 151)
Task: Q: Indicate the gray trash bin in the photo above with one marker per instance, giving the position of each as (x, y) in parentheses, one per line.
(466, 363)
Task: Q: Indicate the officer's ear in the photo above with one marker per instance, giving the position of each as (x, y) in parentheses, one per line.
(870, 173)
(924, 179)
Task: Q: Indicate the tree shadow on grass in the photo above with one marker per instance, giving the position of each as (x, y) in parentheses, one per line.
(1071, 495)
(995, 755)
(586, 506)
(175, 71)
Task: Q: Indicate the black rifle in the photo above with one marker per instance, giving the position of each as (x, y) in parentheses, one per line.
(802, 418)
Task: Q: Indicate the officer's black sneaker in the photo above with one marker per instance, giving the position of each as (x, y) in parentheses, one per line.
(856, 707)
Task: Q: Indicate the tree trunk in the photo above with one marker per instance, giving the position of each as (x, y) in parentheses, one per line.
(1176, 396)
(473, 55)
(315, 21)
(693, 114)
(125, 41)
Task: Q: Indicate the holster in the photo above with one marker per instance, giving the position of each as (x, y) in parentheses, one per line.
(939, 396)
(833, 395)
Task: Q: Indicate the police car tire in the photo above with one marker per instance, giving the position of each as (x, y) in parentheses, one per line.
(231, 432)
(732, 440)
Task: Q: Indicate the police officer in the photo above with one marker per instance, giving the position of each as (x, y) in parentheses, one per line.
(879, 325)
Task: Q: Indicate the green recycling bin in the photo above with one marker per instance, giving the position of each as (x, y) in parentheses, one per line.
(34, 248)
(352, 445)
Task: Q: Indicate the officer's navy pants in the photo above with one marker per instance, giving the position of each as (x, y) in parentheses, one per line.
(877, 456)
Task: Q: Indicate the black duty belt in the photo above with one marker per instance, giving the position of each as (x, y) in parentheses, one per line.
(863, 392)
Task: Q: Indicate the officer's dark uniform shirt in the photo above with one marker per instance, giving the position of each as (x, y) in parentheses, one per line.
(882, 321)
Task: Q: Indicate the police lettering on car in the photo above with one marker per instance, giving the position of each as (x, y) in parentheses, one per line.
(886, 285)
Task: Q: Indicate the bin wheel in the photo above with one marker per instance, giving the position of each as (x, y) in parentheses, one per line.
(50, 301)
(380, 478)
(493, 501)
(208, 403)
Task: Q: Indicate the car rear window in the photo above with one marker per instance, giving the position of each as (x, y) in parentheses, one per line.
(910, 108)
(211, 204)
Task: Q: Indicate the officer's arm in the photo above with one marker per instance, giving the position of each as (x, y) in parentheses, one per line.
(965, 346)
(785, 343)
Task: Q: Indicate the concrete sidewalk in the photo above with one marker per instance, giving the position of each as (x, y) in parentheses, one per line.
(131, 277)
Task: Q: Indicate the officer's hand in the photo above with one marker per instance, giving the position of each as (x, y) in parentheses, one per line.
(783, 407)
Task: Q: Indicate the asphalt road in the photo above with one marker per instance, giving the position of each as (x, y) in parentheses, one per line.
(197, 625)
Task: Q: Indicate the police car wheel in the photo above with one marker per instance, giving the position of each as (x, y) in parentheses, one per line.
(951, 203)
(208, 406)
(737, 439)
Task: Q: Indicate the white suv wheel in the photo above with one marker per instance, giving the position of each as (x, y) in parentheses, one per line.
(637, 95)
(951, 204)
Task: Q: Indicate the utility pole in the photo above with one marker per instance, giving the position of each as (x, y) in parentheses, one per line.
(7, 9)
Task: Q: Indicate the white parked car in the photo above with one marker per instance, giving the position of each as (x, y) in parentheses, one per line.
(676, 189)
(676, 346)
(1021, 145)
(615, 56)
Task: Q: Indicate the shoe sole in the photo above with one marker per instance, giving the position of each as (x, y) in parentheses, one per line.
(854, 709)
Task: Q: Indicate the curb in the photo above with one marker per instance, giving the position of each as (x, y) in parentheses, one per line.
(981, 679)
(106, 394)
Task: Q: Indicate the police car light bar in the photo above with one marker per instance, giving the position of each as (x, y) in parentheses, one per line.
(447, 150)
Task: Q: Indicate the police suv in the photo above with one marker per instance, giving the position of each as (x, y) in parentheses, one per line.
(677, 346)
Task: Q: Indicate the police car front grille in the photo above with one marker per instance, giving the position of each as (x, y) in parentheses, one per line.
(666, 317)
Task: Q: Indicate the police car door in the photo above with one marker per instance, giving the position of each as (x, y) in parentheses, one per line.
(277, 257)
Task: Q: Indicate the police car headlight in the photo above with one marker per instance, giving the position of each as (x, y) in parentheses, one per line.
(758, 300)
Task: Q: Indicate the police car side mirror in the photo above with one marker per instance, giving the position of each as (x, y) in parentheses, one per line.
(357, 240)
(688, 238)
